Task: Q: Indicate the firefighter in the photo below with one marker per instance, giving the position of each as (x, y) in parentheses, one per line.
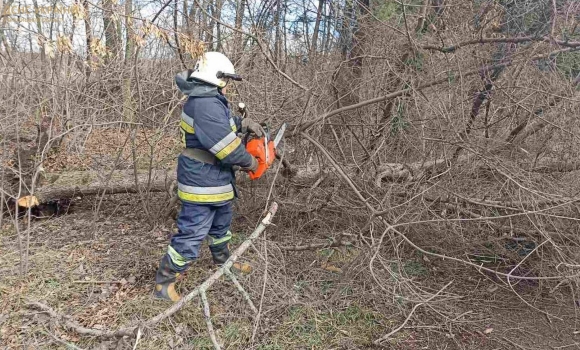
(206, 180)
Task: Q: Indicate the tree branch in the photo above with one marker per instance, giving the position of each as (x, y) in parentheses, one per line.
(448, 49)
(130, 330)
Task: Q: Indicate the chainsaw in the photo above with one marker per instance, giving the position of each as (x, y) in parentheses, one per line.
(263, 148)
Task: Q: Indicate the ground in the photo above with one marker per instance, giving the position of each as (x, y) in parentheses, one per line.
(97, 265)
(101, 274)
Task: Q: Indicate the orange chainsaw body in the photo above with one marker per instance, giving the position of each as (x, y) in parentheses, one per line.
(257, 148)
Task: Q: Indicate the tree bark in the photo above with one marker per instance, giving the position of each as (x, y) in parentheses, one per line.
(238, 38)
(218, 14)
(277, 39)
(305, 24)
(209, 38)
(3, 20)
(39, 28)
(316, 28)
(129, 41)
(89, 39)
(111, 27)
(83, 183)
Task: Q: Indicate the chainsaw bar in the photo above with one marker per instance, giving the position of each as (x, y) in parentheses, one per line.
(279, 135)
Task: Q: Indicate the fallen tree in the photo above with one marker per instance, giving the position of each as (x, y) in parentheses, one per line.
(70, 184)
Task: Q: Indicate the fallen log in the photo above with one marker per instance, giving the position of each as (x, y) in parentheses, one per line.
(83, 183)
(70, 184)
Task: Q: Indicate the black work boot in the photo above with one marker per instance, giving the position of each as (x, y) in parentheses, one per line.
(221, 253)
(165, 281)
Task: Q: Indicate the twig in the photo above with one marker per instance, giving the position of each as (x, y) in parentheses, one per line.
(99, 282)
(207, 317)
(137, 338)
(313, 246)
(67, 322)
(405, 91)
(260, 45)
(259, 314)
(241, 289)
(67, 344)
(525, 39)
(393, 227)
(388, 335)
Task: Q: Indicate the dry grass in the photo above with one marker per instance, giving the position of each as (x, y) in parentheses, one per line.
(307, 304)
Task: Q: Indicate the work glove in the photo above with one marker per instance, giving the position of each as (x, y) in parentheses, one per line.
(253, 167)
(248, 125)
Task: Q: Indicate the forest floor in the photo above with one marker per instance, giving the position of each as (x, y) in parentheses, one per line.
(98, 268)
(101, 273)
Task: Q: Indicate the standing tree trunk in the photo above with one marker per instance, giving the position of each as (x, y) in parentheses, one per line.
(89, 39)
(129, 40)
(284, 27)
(305, 26)
(278, 38)
(359, 37)
(191, 16)
(111, 27)
(128, 102)
(218, 14)
(238, 38)
(210, 27)
(316, 27)
(346, 30)
(176, 33)
(3, 20)
(39, 28)
(353, 38)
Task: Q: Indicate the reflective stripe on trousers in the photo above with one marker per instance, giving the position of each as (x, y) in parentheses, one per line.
(212, 241)
(196, 223)
(196, 194)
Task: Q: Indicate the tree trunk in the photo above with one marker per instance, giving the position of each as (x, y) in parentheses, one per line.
(353, 39)
(316, 27)
(346, 29)
(210, 27)
(39, 28)
(69, 184)
(218, 14)
(89, 39)
(176, 33)
(191, 19)
(129, 41)
(128, 102)
(360, 37)
(80, 183)
(277, 39)
(305, 26)
(238, 38)
(111, 28)
(3, 20)
(284, 34)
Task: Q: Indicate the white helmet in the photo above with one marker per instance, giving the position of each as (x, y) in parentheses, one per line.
(214, 68)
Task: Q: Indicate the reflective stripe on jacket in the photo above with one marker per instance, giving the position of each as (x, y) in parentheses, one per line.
(206, 124)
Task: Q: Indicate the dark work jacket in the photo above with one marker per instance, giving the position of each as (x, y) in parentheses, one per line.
(206, 124)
